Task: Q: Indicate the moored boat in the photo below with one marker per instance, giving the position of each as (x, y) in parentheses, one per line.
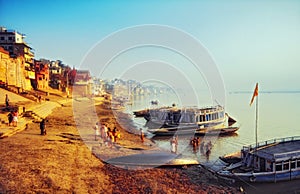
(269, 161)
(199, 121)
(185, 117)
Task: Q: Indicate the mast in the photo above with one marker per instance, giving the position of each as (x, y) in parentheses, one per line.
(256, 121)
(255, 94)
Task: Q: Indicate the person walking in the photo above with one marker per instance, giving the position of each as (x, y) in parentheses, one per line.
(173, 145)
(10, 118)
(43, 127)
(15, 118)
(142, 135)
(6, 101)
(96, 128)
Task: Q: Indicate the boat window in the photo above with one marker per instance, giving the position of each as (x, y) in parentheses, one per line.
(293, 164)
(192, 118)
(298, 163)
(286, 166)
(278, 166)
(221, 114)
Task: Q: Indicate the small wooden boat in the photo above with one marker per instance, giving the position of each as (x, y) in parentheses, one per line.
(269, 161)
(154, 102)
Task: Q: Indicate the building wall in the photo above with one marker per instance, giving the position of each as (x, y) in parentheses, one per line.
(4, 60)
(81, 90)
(12, 71)
(42, 75)
(10, 36)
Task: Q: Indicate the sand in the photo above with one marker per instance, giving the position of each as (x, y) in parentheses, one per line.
(61, 162)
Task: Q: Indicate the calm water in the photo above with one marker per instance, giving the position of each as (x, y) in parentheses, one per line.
(278, 117)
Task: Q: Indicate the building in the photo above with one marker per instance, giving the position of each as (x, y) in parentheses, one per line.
(41, 74)
(81, 82)
(13, 42)
(4, 61)
(56, 73)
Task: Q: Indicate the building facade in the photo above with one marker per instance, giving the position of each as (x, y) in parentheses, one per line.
(41, 74)
(22, 56)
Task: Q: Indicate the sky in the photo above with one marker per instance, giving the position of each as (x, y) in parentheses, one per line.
(249, 41)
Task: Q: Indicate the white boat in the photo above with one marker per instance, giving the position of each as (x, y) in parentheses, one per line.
(194, 117)
(199, 121)
(270, 161)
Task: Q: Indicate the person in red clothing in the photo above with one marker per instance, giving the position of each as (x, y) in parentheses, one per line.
(142, 135)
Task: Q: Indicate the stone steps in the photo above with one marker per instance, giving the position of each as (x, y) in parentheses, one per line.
(42, 110)
(34, 114)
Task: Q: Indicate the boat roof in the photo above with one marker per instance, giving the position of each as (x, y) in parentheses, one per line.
(191, 109)
(279, 151)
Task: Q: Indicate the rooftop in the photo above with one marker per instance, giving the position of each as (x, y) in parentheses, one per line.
(280, 150)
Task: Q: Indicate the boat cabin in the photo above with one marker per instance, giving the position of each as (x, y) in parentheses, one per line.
(279, 156)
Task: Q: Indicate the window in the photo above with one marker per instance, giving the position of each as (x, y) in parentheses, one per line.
(1, 38)
(201, 118)
(298, 163)
(278, 166)
(293, 164)
(286, 165)
(10, 38)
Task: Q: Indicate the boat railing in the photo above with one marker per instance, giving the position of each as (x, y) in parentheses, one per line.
(271, 141)
(209, 110)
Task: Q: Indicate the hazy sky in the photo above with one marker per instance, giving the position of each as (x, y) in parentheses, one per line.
(250, 41)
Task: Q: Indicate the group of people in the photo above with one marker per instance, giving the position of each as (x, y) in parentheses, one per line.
(205, 148)
(109, 135)
(12, 115)
(13, 118)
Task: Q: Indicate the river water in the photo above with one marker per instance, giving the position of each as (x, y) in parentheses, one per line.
(278, 115)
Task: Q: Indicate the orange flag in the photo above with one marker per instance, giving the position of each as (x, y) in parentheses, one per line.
(255, 93)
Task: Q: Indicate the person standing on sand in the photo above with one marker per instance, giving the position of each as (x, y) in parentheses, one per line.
(6, 101)
(96, 128)
(142, 135)
(173, 143)
(43, 127)
(10, 118)
(105, 132)
(15, 118)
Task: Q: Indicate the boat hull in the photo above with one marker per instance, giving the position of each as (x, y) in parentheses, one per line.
(262, 177)
(268, 161)
(193, 131)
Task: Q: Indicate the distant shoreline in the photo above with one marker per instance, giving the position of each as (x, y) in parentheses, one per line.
(265, 92)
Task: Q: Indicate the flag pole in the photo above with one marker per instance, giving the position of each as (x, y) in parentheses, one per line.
(256, 121)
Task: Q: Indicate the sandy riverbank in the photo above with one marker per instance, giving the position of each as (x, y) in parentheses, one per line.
(60, 162)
